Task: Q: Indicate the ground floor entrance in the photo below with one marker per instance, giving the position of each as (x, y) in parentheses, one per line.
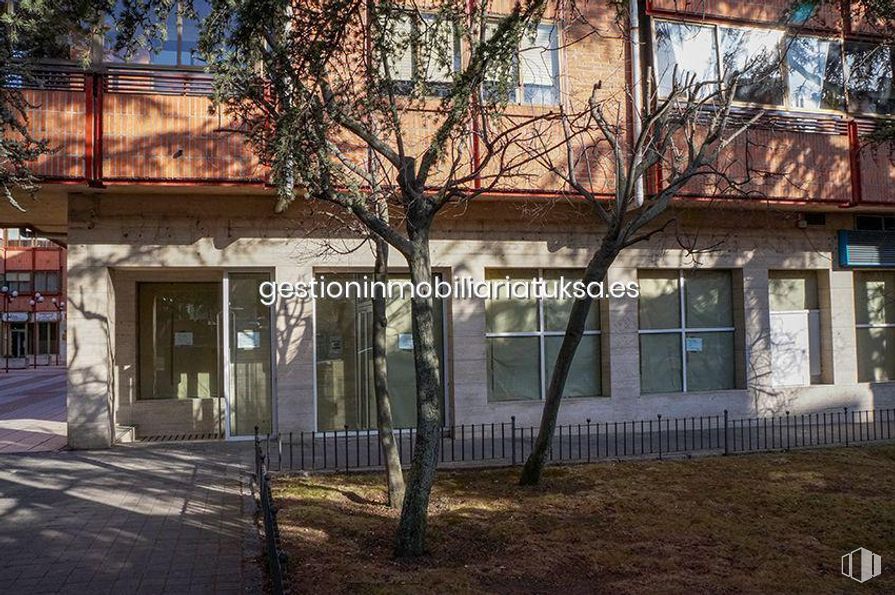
(203, 357)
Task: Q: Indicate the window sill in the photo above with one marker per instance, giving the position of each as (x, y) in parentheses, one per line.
(724, 392)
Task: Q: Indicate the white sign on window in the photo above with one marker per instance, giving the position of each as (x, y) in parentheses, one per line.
(183, 339)
(405, 342)
(248, 339)
(694, 344)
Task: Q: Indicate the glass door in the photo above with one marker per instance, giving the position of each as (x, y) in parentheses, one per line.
(248, 366)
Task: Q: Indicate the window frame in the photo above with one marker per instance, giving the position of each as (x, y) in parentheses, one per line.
(403, 87)
(869, 325)
(786, 106)
(518, 90)
(682, 330)
(541, 334)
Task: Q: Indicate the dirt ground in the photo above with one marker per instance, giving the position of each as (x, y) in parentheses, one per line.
(773, 522)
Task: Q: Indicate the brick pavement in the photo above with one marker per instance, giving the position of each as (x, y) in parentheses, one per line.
(169, 518)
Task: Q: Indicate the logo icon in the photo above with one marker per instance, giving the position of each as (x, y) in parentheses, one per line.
(861, 565)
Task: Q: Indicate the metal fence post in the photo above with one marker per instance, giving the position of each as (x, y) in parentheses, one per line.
(787, 431)
(660, 435)
(513, 438)
(845, 409)
(726, 446)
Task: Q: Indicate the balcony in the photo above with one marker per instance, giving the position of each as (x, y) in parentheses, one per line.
(129, 124)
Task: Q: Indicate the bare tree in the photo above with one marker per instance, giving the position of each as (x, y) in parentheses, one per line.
(348, 77)
(686, 132)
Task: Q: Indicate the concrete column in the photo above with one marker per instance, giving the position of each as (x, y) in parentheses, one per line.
(754, 350)
(294, 356)
(90, 341)
(842, 324)
(621, 342)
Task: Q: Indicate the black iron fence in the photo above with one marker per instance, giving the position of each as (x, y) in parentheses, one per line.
(275, 555)
(507, 443)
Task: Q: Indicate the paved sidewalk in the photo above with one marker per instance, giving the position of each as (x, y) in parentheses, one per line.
(173, 518)
(32, 410)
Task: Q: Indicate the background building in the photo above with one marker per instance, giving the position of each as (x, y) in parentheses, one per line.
(32, 289)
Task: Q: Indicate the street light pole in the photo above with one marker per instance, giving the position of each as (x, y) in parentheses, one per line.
(59, 309)
(37, 299)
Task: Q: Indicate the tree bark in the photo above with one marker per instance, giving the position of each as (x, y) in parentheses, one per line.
(411, 536)
(394, 475)
(595, 271)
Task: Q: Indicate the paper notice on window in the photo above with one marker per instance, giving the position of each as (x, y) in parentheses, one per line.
(248, 339)
(405, 342)
(183, 339)
(694, 344)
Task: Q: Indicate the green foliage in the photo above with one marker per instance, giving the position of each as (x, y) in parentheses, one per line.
(35, 31)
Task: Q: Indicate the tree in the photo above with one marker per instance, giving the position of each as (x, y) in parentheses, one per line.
(686, 129)
(31, 32)
(317, 88)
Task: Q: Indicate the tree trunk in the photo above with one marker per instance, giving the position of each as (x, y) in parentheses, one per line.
(411, 537)
(595, 271)
(394, 475)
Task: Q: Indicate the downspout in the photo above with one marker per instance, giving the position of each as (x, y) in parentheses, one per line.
(636, 91)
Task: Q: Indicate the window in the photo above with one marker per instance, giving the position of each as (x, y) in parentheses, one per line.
(686, 331)
(524, 336)
(875, 318)
(46, 281)
(814, 73)
(534, 75)
(18, 281)
(810, 77)
(426, 49)
(756, 55)
(344, 357)
(874, 223)
(685, 50)
(795, 328)
(870, 85)
(178, 336)
(181, 37)
(47, 338)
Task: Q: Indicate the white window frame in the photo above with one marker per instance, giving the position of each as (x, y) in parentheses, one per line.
(542, 335)
(683, 329)
(876, 324)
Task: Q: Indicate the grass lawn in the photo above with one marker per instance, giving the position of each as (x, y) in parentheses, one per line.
(757, 523)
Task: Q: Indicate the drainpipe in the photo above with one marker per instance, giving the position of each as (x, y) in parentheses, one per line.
(636, 89)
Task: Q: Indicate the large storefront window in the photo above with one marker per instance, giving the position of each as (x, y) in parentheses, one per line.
(344, 335)
(795, 328)
(524, 337)
(179, 326)
(875, 318)
(686, 331)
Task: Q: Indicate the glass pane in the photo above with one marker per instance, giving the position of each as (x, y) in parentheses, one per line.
(584, 375)
(508, 314)
(513, 369)
(659, 304)
(875, 298)
(689, 48)
(250, 341)
(756, 55)
(539, 66)
(814, 72)
(876, 354)
(870, 88)
(660, 363)
(400, 62)
(710, 361)
(708, 299)
(792, 290)
(556, 311)
(178, 340)
(345, 391)
(438, 52)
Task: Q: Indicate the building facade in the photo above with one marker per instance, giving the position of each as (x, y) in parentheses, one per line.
(753, 305)
(33, 295)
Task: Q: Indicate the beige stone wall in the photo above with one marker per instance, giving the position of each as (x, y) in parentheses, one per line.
(119, 240)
